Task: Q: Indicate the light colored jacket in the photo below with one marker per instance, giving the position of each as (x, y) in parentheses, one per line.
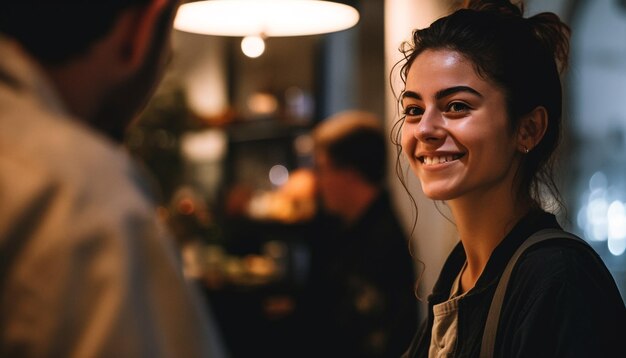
(86, 269)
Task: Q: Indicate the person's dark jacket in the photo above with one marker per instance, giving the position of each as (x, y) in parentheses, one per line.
(561, 301)
(361, 301)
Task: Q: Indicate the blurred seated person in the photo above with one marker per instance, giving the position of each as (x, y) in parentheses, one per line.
(360, 301)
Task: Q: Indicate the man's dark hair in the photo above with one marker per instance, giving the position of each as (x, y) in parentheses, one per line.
(54, 31)
(354, 140)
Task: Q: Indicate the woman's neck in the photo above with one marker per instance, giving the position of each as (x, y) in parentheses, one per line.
(482, 224)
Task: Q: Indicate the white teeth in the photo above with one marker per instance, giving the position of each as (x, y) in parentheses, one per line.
(438, 160)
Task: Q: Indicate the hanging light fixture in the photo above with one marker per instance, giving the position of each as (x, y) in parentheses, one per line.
(255, 20)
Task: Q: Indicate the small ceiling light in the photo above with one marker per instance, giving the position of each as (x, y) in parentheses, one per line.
(270, 18)
(253, 46)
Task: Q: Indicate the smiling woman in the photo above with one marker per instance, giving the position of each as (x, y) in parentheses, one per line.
(456, 134)
(481, 122)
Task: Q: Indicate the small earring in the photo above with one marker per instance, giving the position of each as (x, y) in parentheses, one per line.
(526, 150)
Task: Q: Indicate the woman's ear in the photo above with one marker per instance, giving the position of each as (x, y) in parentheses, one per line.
(532, 128)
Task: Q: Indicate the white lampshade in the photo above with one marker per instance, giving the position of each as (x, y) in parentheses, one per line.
(269, 18)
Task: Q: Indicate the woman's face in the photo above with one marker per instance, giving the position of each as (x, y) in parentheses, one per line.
(456, 135)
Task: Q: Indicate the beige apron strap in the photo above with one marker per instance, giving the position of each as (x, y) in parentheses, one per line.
(493, 318)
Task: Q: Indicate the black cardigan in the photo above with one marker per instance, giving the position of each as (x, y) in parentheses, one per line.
(561, 301)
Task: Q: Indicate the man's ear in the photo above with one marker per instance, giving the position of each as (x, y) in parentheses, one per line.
(135, 29)
(532, 128)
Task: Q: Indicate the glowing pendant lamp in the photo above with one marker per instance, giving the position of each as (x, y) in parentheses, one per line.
(257, 19)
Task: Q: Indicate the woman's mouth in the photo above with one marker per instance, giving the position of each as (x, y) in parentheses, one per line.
(439, 159)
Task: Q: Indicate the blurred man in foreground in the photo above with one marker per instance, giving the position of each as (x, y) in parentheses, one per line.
(86, 270)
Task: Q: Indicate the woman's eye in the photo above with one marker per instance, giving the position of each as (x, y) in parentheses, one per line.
(413, 111)
(458, 107)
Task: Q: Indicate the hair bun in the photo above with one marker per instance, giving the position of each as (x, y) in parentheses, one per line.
(553, 35)
(549, 30)
(501, 6)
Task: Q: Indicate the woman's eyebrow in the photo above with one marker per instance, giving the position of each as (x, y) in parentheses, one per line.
(452, 90)
(411, 94)
(443, 93)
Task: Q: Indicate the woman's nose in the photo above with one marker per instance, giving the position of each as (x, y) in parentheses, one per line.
(430, 127)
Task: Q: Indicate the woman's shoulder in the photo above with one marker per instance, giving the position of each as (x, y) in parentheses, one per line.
(561, 260)
(559, 292)
(561, 255)
(565, 269)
